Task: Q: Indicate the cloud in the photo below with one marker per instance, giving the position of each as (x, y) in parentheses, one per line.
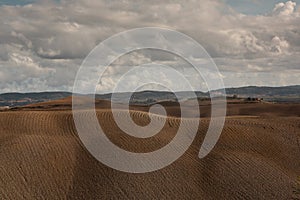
(285, 9)
(279, 46)
(43, 44)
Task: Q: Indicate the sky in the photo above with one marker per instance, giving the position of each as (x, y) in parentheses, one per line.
(254, 7)
(43, 43)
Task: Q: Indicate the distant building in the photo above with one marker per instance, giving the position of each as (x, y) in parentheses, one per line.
(254, 99)
(4, 107)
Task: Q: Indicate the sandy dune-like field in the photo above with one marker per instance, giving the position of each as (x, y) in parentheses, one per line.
(257, 156)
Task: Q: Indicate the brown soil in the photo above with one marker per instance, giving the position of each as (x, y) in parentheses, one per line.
(257, 156)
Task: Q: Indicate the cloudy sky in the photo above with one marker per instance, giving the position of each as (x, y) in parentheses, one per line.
(43, 43)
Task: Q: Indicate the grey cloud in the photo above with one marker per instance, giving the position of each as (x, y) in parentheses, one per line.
(56, 36)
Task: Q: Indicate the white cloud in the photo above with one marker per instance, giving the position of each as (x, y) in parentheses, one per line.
(285, 9)
(279, 46)
(43, 44)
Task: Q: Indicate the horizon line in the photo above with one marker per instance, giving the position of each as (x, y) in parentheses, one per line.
(106, 93)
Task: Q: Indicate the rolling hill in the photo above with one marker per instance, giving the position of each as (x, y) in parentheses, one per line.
(277, 94)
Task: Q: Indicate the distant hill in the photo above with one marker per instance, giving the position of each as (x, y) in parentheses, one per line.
(20, 99)
(275, 94)
(151, 96)
(265, 91)
(288, 93)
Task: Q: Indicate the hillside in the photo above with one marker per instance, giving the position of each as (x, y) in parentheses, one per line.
(234, 107)
(43, 158)
(273, 94)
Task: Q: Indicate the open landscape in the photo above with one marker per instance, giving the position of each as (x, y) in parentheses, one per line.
(185, 99)
(257, 156)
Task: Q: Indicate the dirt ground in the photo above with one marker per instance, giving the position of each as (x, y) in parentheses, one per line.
(257, 156)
